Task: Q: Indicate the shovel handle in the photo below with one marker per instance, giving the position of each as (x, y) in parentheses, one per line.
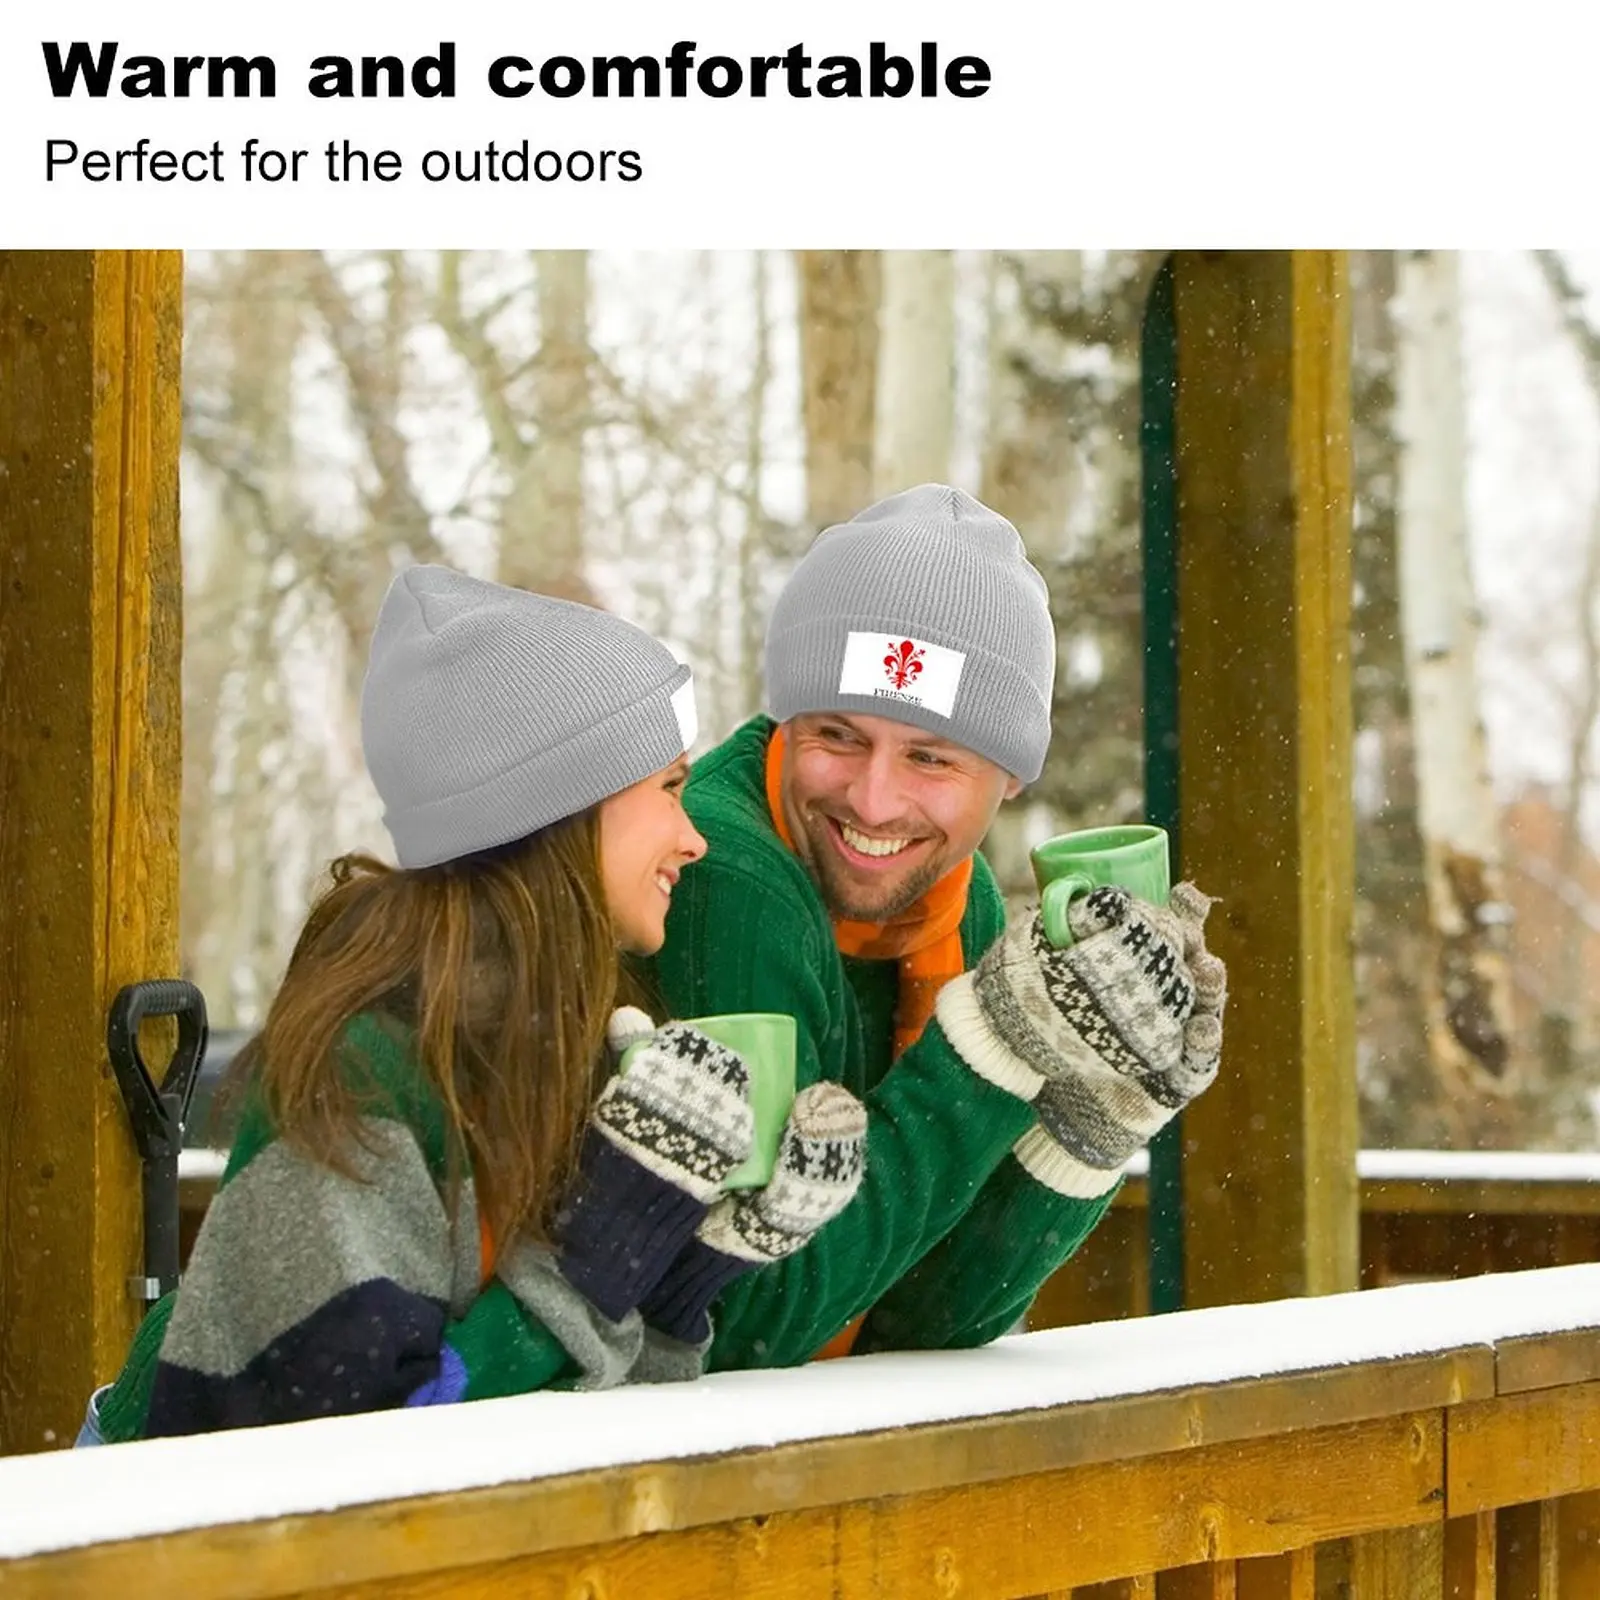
(158, 1112)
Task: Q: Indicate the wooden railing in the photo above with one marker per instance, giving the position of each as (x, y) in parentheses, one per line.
(1425, 1215)
(1438, 1440)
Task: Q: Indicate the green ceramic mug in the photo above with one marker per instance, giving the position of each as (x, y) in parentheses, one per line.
(1134, 856)
(766, 1042)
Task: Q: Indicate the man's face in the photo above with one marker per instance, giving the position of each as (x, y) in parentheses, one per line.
(880, 811)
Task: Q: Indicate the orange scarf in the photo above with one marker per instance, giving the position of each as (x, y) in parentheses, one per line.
(925, 940)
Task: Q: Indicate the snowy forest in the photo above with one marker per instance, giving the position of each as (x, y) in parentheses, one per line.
(663, 434)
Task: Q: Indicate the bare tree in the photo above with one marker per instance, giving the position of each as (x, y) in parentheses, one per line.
(1564, 1003)
(241, 751)
(350, 413)
(1468, 1000)
(1031, 462)
(542, 544)
(916, 370)
(369, 347)
(1061, 459)
(1403, 1101)
(757, 555)
(839, 299)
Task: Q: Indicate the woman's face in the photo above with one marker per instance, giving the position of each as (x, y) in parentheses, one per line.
(646, 839)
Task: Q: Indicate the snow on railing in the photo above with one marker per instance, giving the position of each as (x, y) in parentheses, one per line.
(1465, 1166)
(69, 1499)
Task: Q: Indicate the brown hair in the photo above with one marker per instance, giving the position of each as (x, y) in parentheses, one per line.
(504, 964)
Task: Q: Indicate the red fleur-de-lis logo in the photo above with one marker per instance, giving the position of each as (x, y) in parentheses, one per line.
(903, 663)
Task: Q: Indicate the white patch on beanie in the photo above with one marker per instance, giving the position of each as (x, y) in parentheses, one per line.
(683, 707)
(888, 666)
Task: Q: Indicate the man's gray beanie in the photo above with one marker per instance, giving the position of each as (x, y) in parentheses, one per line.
(922, 608)
(490, 712)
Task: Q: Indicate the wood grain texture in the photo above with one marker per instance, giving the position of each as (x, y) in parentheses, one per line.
(1206, 1580)
(1578, 1544)
(1142, 1587)
(1523, 1447)
(1027, 1535)
(1469, 1557)
(1527, 1552)
(1398, 1564)
(90, 716)
(1291, 1576)
(1264, 552)
(1547, 1361)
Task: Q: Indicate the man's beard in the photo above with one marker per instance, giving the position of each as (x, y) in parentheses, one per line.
(842, 897)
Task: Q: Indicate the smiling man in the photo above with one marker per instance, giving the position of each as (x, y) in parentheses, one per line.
(909, 667)
(880, 812)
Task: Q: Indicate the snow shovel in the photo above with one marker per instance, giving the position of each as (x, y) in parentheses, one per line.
(157, 1114)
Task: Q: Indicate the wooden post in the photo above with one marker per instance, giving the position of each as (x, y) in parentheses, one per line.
(90, 642)
(1398, 1564)
(1291, 1576)
(1529, 1547)
(1469, 1552)
(1578, 1521)
(1209, 1580)
(1263, 465)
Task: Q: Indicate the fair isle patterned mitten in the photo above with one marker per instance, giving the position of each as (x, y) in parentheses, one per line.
(818, 1171)
(663, 1135)
(1108, 1038)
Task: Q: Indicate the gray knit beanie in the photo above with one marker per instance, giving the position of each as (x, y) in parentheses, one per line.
(922, 608)
(489, 712)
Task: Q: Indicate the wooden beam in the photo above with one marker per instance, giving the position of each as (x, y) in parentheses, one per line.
(1032, 1534)
(1523, 1448)
(1493, 1197)
(1263, 430)
(1522, 1365)
(90, 641)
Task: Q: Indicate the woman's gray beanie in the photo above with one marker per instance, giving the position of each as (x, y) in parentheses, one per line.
(489, 712)
(922, 608)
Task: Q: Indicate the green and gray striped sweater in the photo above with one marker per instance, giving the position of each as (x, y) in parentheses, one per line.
(311, 1294)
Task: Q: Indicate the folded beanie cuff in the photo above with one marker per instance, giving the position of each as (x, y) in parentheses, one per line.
(999, 712)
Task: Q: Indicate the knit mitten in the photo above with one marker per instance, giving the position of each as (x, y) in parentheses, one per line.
(818, 1171)
(663, 1135)
(1108, 1038)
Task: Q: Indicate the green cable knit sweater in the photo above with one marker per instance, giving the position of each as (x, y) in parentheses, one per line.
(951, 1234)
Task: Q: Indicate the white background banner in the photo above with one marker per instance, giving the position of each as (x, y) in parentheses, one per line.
(1373, 122)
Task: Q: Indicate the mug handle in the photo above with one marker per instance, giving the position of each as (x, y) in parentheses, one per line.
(1057, 896)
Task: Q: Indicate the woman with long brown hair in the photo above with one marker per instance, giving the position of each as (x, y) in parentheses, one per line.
(440, 1188)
